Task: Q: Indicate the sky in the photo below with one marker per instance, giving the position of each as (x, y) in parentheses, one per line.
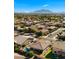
(33, 5)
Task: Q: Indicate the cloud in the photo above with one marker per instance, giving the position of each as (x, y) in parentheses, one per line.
(45, 5)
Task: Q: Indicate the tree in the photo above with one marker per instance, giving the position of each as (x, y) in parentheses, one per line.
(38, 34)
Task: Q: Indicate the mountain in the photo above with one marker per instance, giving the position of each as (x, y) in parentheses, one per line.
(42, 11)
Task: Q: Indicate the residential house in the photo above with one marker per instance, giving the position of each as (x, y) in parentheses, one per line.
(39, 45)
(23, 40)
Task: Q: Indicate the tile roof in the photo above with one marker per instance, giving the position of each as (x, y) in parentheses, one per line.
(21, 39)
(40, 44)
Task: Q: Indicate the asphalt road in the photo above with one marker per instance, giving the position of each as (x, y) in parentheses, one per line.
(53, 34)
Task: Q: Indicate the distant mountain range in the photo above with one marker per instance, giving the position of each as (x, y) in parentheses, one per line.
(42, 11)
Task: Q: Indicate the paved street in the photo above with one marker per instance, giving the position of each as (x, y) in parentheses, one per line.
(53, 34)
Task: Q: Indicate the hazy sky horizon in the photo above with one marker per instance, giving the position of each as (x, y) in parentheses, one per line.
(33, 5)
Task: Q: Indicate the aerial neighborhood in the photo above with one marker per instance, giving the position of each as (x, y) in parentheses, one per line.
(39, 36)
